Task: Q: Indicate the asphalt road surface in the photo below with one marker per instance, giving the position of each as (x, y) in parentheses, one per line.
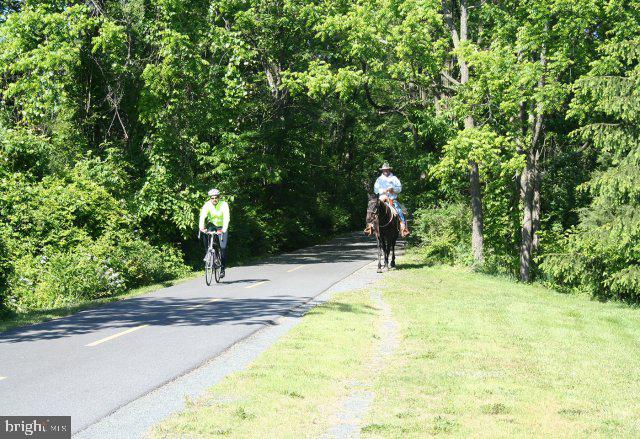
(89, 364)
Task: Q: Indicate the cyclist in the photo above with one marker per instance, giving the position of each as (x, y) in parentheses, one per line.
(214, 216)
(388, 186)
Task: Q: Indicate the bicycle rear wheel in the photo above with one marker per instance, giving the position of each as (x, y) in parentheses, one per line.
(209, 268)
(216, 264)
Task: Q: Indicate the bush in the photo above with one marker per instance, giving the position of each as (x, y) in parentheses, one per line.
(62, 278)
(71, 240)
(137, 261)
(104, 268)
(443, 233)
(599, 259)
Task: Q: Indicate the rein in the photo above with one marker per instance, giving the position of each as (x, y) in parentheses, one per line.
(374, 212)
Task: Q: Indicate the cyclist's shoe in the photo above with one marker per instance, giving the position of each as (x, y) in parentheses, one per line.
(221, 273)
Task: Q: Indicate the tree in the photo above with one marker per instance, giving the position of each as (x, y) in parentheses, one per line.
(601, 253)
(460, 40)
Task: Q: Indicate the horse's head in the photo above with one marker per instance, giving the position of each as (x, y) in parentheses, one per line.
(372, 209)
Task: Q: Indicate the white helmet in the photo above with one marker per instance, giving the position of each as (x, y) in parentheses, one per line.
(213, 192)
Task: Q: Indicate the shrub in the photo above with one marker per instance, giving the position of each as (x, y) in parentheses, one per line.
(104, 268)
(443, 233)
(137, 261)
(72, 240)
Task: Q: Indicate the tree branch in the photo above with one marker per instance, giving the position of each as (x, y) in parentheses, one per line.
(449, 78)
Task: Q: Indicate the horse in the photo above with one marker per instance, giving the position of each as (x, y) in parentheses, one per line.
(382, 221)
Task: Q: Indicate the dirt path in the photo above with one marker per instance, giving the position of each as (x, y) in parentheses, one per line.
(347, 422)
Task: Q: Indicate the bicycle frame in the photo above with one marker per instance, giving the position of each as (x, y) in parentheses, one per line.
(212, 257)
(211, 241)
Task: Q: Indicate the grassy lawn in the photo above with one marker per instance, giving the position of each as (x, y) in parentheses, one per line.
(15, 320)
(486, 357)
(479, 356)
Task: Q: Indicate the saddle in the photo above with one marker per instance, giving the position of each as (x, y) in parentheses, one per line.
(394, 211)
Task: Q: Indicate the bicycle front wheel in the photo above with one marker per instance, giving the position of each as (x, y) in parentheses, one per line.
(209, 268)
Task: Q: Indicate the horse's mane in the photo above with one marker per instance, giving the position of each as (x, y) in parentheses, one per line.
(385, 214)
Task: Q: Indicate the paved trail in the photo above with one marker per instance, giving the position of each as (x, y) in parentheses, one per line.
(89, 364)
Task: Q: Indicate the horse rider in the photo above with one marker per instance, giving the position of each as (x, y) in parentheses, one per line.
(214, 216)
(388, 186)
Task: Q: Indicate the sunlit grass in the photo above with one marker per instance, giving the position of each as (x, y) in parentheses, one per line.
(487, 357)
(479, 356)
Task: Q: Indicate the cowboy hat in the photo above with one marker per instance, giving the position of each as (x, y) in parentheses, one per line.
(385, 166)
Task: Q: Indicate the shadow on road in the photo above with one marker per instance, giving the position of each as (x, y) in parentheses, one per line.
(242, 281)
(159, 312)
(165, 311)
(350, 248)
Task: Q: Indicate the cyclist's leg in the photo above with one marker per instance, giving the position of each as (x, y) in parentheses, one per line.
(223, 240)
(205, 242)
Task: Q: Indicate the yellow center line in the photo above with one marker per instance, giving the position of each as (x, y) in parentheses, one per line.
(119, 334)
(296, 268)
(203, 304)
(259, 283)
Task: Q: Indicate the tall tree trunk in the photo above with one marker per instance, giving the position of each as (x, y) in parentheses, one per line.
(530, 182)
(459, 36)
(526, 240)
(477, 236)
(536, 203)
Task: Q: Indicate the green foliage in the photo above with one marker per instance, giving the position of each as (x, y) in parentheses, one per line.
(601, 254)
(70, 240)
(495, 154)
(443, 233)
(498, 161)
(106, 267)
(117, 117)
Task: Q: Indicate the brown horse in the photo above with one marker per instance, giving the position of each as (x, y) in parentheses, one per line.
(386, 226)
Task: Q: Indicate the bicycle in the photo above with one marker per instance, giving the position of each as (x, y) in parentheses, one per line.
(212, 262)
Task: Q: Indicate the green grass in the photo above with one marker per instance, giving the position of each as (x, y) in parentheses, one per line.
(479, 356)
(290, 390)
(14, 320)
(487, 357)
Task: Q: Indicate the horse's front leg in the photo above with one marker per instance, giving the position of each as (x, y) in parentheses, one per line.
(386, 255)
(393, 255)
(379, 255)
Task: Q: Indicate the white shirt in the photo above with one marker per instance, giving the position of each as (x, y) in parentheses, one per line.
(383, 183)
